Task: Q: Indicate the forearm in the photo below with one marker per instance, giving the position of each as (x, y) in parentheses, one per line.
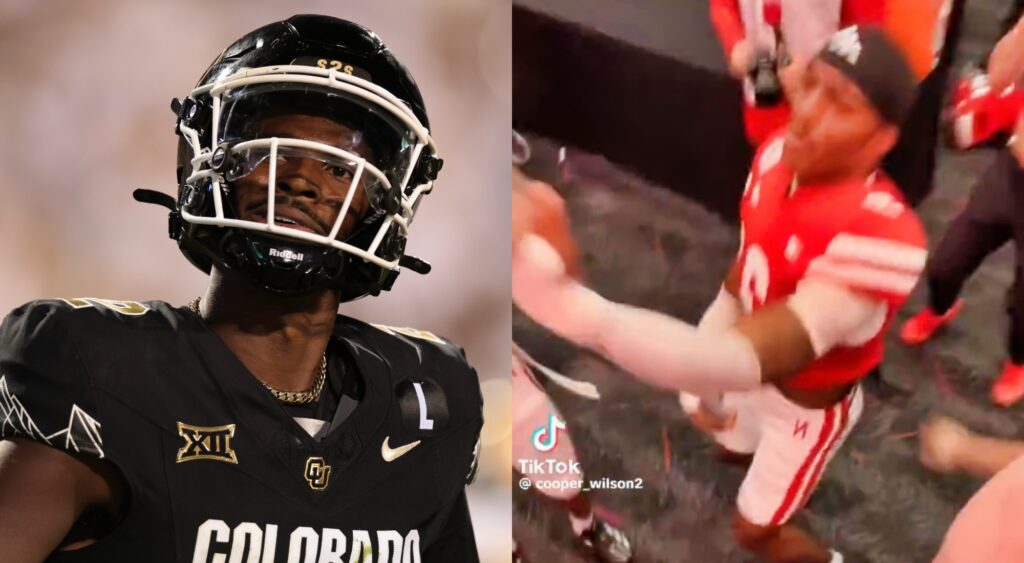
(722, 314)
(1006, 63)
(983, 457)
(667, 352)
(654, 347)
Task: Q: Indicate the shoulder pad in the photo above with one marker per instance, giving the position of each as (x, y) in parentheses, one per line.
(421, 335)
(45, 391)
(430, 371)
(885, 215)
(435, 392)
(877, 254)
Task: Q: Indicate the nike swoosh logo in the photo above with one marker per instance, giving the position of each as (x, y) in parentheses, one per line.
(392, 454)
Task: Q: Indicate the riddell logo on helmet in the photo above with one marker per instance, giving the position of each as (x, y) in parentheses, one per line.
(286, 255)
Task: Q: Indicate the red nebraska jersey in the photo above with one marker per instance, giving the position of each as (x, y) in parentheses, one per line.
(860, 235)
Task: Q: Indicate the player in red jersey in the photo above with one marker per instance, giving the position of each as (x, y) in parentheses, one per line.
(829, 252)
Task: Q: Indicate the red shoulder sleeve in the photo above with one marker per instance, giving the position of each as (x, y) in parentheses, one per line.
(882, 252)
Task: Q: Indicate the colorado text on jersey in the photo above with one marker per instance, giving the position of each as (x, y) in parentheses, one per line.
(216, 542)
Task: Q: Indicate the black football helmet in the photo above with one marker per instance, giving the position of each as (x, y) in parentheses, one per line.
(319, 67)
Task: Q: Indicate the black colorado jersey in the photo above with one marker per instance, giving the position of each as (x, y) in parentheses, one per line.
(217, 469)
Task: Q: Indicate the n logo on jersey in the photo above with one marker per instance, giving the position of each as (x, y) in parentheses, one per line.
(800, 428)
(317, 473)
(207, 442)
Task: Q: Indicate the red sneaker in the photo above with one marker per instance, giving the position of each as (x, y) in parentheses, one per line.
(1009, 388)
(923, 325)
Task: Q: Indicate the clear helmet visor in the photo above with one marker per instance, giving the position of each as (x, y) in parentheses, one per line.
(309, 159)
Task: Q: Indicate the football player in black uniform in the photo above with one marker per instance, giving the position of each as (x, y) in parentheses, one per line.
(255, 424)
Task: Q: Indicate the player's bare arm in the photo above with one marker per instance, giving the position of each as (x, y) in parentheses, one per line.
(646, 343)
(780, 341)
(44, 492)
(708, 412)
(769, 346)
(538, 207)
(949, 447)
(731, 283)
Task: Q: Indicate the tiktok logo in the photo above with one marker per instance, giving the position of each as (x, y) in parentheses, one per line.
(545, 438)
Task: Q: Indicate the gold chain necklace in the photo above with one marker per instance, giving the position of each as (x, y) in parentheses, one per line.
(288, 397)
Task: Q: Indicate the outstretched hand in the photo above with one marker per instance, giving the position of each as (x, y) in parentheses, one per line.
(544, 290)
(941, 443)
(538, 272)
(538, 209)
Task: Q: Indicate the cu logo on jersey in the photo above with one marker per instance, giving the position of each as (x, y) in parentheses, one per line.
(754, 279)
(317, 473)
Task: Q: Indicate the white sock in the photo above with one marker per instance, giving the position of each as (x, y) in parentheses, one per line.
(836, 556)
(580, 525)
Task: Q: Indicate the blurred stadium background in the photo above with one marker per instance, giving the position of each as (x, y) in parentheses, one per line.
(85, 119)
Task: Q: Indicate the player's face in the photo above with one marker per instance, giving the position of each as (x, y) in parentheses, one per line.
(309, 193)
(834, 131)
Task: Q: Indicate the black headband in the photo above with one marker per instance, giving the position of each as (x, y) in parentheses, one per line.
(867, 57)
